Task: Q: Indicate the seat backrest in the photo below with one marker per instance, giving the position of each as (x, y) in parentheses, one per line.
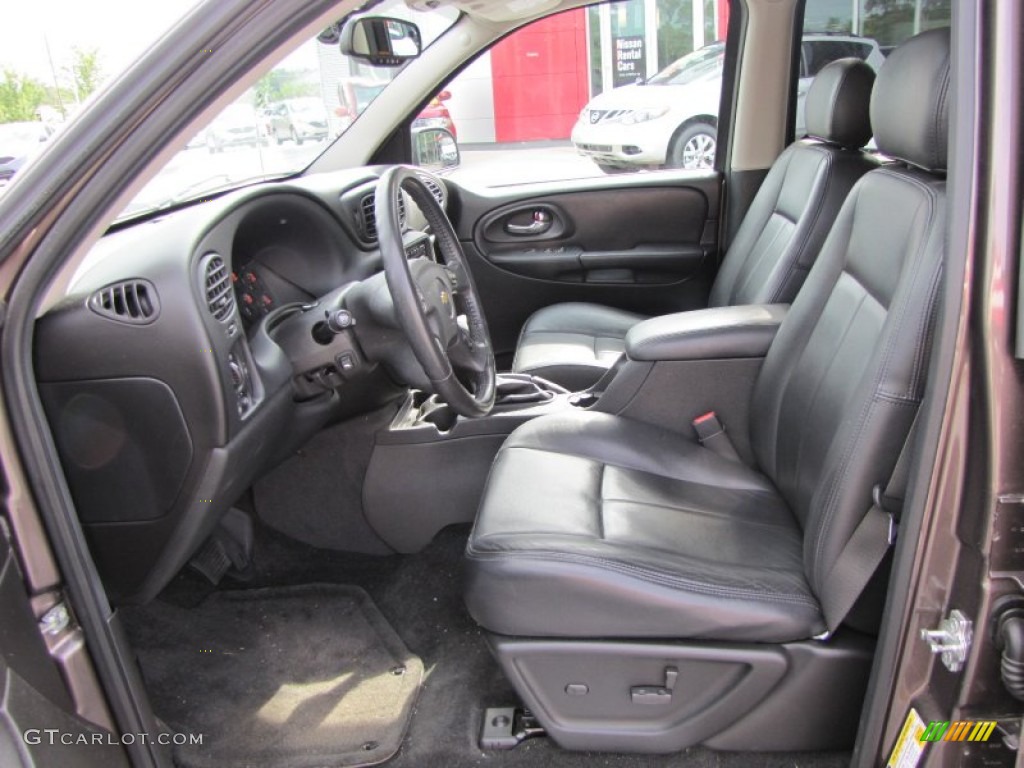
(840, 386)
(799, 199)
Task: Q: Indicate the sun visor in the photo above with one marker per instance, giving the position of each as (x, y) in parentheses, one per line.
(491, 10)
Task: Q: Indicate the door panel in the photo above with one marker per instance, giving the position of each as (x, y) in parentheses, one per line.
(643, 242)
(35, 696)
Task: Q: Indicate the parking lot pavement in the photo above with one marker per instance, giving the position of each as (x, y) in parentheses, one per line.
(505, 165)
(193, 170)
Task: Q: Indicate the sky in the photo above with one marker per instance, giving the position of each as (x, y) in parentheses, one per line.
(121, 30)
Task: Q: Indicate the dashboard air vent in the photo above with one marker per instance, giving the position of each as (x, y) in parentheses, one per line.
(131, 301)
(217, 287)
(368, 215)
(434, 186)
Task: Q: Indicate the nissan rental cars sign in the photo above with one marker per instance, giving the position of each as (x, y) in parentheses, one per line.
(630, 60)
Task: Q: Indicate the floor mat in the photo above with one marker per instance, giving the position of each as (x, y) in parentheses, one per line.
(422, 597)
(288, 677)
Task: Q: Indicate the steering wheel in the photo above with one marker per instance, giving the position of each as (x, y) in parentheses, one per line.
(436, 304)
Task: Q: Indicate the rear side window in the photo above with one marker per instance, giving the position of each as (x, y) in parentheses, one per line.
(865, 29)
(818, 53)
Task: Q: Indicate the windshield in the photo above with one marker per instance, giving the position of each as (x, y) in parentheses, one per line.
(307, 107)
(18, 134)
(699, 65)
(281, 124)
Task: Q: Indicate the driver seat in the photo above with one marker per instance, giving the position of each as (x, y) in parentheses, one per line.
(644, 593)
(574, 343)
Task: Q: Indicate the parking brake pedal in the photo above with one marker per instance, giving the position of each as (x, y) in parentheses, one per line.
(229, 548)
(508, 727)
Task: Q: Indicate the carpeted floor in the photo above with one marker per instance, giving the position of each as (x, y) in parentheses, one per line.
(421, 596)
(301, 676)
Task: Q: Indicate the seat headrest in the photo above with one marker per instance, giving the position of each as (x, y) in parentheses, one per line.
(837, 103)
(910, 105)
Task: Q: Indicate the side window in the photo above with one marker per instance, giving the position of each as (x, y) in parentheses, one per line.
(822, 52)
(625, 87)
(867, 29)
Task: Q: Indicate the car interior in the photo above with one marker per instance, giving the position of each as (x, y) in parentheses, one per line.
(378, 466)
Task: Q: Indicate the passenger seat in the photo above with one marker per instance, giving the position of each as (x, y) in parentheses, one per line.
(574, 343)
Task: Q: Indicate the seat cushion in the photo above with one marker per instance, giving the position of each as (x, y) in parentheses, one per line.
(597, 526)
(573, 343)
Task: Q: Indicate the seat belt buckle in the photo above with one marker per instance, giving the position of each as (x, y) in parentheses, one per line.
(891, 507)
(707, 426)
(711, 434)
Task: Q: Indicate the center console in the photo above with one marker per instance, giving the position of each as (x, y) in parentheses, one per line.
(430, 465)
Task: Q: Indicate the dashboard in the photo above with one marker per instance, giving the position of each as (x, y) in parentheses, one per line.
(166, 384)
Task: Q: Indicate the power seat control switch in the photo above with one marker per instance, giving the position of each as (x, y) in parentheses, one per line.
(952, 639)
(656, 694)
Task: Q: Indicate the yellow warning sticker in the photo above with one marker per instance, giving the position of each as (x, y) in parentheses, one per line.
(909, 746)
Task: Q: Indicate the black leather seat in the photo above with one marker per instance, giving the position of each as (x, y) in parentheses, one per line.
(574, 343)
(593, 525)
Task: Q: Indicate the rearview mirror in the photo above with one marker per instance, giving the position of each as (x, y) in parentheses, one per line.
(383, 42)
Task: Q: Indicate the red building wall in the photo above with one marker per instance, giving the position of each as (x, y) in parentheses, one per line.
(540, 78)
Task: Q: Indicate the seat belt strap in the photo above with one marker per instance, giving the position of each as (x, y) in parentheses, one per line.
(892, 498)
(869, 543)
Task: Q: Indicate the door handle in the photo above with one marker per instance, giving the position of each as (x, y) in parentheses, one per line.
(541, 223)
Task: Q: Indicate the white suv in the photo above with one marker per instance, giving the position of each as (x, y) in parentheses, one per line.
(671, 119)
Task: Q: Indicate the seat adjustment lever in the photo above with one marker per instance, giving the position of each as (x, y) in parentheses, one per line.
(656, 694)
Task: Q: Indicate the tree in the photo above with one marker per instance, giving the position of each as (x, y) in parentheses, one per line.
(890, 22)
(20, 97)
(675, 31)
(281, 84)
(837, 25)
(84, 71)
